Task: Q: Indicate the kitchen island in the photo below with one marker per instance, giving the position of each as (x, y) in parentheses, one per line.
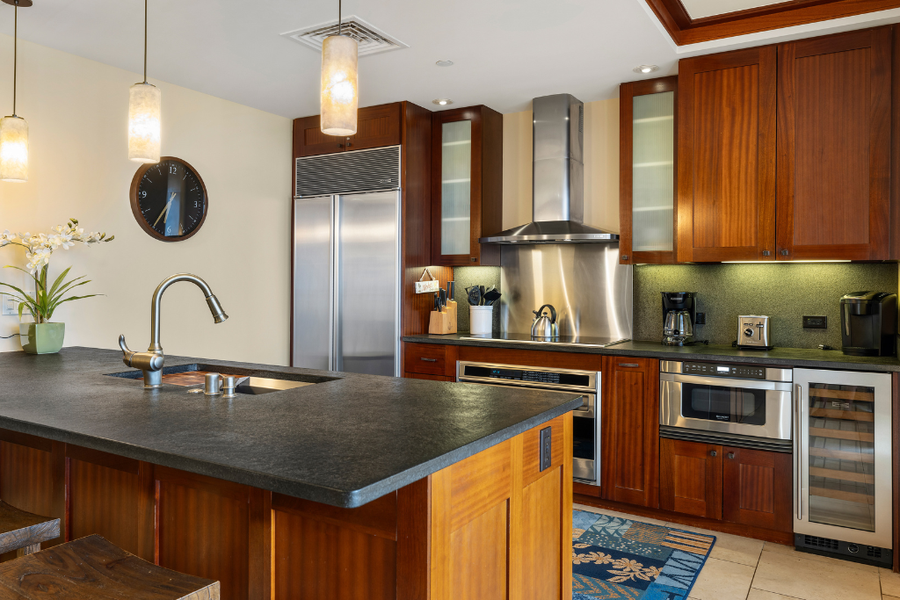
(354, 487)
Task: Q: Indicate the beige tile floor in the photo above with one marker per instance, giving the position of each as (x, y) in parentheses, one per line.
(741, 568)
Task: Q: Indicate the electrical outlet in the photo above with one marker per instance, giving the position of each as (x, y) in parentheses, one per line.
(10, 308)
(815, 322)
(546, 448)
(700, 318)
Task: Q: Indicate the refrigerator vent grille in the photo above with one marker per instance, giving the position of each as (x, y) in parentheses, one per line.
(347, 172)
(873, 552)
(820, 542)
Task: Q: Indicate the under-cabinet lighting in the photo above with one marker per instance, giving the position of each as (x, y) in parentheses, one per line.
(778, 262)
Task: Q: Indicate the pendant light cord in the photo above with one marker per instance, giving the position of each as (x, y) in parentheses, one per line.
(15, 55)
(145, 41)
(339, 17)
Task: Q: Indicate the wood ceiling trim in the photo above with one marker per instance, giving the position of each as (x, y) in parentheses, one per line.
(685, 30)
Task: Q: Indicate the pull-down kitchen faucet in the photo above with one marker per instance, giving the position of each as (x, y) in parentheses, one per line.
(151, 362)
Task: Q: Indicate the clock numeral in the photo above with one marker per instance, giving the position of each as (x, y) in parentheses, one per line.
(173, 169)
(170, 230)
(144, 194)
(196, 204)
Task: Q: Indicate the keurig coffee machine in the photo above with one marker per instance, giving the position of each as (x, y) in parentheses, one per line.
(678, 318)
(869, 323)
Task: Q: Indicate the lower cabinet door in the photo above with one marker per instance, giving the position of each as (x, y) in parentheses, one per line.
(757, 488)
(690, 478)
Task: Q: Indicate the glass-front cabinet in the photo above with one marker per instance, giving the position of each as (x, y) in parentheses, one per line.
(647, 171)
(842, 455)
(467, 190)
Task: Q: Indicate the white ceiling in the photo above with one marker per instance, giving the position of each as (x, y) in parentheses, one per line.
(697, 9)
(505, 51)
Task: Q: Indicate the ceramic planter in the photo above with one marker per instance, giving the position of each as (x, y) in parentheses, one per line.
(42, 338)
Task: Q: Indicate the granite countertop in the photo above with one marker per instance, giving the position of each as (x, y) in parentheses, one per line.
(790, 357)
(343, 442)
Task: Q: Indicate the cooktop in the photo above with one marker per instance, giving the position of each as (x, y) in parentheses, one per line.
(564, 340)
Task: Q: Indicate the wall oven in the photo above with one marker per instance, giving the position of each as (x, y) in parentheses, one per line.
(742, 405)
(586, 418)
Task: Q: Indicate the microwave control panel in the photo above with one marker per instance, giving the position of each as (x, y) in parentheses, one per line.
(741, 371)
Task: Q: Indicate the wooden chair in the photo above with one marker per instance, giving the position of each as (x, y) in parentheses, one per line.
(23, 531)
(92, 567)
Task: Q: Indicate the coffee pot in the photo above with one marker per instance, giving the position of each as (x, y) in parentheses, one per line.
(678, 318)
(545, 327)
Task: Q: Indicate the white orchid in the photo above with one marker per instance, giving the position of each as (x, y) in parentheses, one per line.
(38, 249)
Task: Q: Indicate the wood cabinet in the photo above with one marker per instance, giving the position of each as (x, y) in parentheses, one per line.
(784, 152)
(738, 485)
(629, 434)
(436, 362)
(467, 185)
(726, 156)
(834, 147)
(647, 171)
(377, 126)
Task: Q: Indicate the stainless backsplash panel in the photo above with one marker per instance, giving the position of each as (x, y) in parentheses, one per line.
(591, 291)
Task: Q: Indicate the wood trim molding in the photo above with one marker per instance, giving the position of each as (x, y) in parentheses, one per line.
(684, 30)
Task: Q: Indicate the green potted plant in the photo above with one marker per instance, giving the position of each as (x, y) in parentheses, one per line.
(42, 336)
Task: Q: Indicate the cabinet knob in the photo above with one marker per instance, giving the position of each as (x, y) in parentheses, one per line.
(624, 257)
(713, 453)
(785, 252)
(340, 145)
(427, 359)
(730, 455)
(766, 253)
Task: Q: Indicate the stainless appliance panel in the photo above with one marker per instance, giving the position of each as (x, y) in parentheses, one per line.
(367, 329)
(313, 283)
(591, 291)
(861, 513)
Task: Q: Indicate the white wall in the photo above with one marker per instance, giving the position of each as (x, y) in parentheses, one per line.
(601, 166)
(77, 113)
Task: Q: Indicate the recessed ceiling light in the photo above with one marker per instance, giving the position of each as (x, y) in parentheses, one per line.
(645, 69)
(444, 63)
(442, 101)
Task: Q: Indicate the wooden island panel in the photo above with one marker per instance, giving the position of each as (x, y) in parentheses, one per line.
(492, 526)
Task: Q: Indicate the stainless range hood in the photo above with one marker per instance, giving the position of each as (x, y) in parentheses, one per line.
(558, 188)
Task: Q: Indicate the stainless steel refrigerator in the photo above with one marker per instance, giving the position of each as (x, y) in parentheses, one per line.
(346, 304)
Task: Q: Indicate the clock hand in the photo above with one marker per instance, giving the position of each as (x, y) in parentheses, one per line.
(166, 209)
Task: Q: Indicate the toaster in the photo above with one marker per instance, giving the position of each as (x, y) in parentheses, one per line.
(754, 333)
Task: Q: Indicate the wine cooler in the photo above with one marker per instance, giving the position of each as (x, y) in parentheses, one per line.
(842, 465)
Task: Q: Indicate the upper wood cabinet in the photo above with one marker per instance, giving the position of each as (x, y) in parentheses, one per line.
(377, 126)
(467, 185)
(630, 430)
(819, 109)
(834, 147)
(726, 156)
(647, 171)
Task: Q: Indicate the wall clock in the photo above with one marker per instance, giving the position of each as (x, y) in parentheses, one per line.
(168, 199)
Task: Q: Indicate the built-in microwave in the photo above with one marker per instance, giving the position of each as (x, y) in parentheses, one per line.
(728, 403)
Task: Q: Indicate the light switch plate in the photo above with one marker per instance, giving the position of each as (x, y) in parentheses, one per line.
(546, 448)
(10, 306)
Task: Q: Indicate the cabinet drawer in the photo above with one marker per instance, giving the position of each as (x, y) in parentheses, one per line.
(426, 358)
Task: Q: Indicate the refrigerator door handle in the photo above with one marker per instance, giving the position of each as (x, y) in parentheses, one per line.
(798, 448)
(335, 342)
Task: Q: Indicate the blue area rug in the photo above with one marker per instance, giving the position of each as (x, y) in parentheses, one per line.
(615, 558)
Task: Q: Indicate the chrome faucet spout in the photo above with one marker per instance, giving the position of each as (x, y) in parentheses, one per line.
(151, 362)
(156, 303)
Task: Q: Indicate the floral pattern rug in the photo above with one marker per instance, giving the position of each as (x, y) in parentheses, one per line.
(615, 558)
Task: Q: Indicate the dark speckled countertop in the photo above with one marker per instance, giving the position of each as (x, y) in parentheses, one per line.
(344, 442)
(790, 357)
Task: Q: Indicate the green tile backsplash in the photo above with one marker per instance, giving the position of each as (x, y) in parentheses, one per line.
(784, 292)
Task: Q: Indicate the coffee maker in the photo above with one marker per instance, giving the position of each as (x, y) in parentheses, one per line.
(678, 318)
(869, 323)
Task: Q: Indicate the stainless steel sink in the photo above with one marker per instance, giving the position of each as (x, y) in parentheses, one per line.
(264, 385)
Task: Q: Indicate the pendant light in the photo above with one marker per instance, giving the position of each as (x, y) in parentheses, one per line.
(144, 104)
(340, 95)
(14, 129)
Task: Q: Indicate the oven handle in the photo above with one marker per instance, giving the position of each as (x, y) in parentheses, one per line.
(798, 449)
(748, 384)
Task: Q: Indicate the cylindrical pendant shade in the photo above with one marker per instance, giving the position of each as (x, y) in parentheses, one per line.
(340, 97)
(13, 149)
(144, 104)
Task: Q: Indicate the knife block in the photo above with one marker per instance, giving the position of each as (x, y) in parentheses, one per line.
(443, 322)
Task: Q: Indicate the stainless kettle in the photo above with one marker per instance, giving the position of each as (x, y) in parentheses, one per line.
(545, 327)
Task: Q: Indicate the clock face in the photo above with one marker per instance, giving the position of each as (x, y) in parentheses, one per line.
(169, 199)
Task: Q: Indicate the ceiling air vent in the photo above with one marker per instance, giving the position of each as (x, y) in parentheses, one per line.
(371, 39)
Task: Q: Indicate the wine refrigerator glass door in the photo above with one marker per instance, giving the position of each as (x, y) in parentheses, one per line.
(842, 456)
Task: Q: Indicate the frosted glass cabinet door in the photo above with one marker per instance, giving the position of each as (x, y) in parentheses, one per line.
(456, 187)
(647, 194)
